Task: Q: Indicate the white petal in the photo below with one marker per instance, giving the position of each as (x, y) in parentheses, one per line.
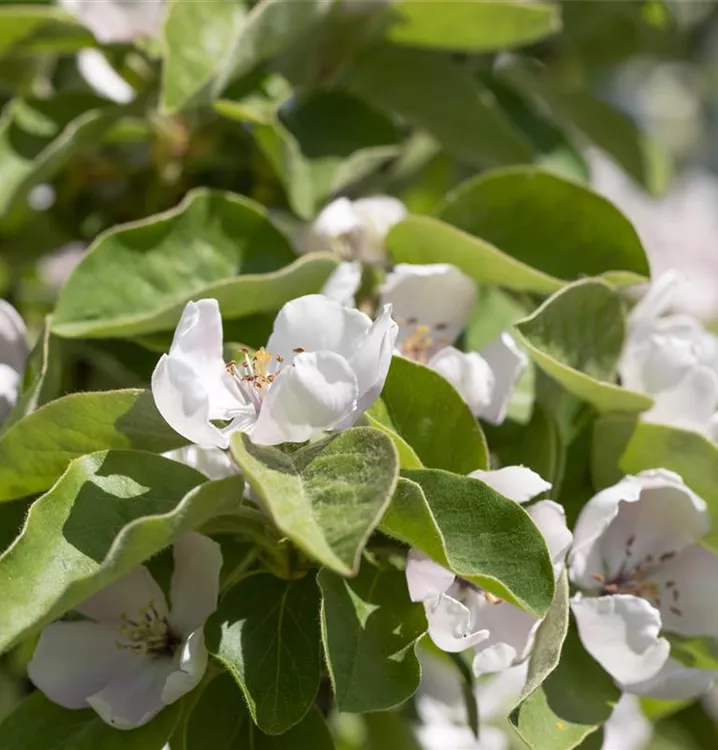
(128, 596)
(118, 20)
(212, 462)
(450, 624)
(191, 661)
(316, 323)
(379, 213)
(133, 697)
(621, 633)
(508, 363)
(13, 338)
(313, 395)
(498, 693)
(195, 582)
(469, 373)
(657, 301)
(338, 228)
(102, 77)
(689, 592)
(73, 660)
(371, 359)
(627, 727)
(9, 390)
(550, 518)
(512, 633)
(344, 283)
(425, 578)
(674, 682)
(518, 483)
(436, 295)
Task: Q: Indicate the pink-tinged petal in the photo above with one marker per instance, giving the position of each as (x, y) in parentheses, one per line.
(518, 483)
(13, 338)
(437, 295)
(507, 363)
(689, 592)
(425, 578)
(73, 660)
(512, 633)
(627, 727)
(621, 633)
(134, 697)
(195, 582)
(314, 394)
(451, 625)
(674, 682)
(550, 518)
(191, 664)
(469, 373)
(315, 323)
(128, 596)
(343, 283)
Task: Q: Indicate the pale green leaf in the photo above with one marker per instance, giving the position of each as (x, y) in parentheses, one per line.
(40, 28)
(376, 417)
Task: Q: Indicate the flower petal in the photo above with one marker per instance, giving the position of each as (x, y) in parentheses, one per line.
(689, 591)
(191, 661)
(337, 228)
(425, 578)
(627, 727)
(135, 696)
(469, 373)
(73, 660)
(102, 77)
(437, 295)
(621, 633)
(508, 363)
(118, 20)
(127, 596)
(314, 394)
(13, 338)
(518, 483)
(657, 301)
(450, 624)
(343, 283)
(195, 582)
(550, 518)
(315, 324)
(379, 213)
(9, 389)
(212, 462)
(674, 682)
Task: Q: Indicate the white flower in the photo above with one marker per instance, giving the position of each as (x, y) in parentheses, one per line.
(637, 561)
(102, 77)
(460, 614)
(212, 462)
(343, 283)
(133, 656)
(13, 355)
(118, 20)
(432, 304)
(627, 727)
(356, 230)
(673, 359)
(324, 365)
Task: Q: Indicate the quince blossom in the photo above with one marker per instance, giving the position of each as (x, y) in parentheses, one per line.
(460, 614)
(118, 20)
(637, 560)
(133, 655)
(323, 366)
(432, 304)
(13, 356)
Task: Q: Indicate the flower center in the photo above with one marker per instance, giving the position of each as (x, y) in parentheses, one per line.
(421, 341)
(149, 634)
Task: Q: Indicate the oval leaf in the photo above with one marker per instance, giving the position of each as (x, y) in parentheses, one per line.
(109, 512)
(327, 497)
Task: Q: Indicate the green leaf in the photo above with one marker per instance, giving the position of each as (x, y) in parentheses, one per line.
(370, 628)
(466, 526)
(40, 29)
(220, 720)
(432, 92)
(328, 496)
(624, 446)
(574, 701)
(39, 724)
(35, 451)
(38, 136)
(576, 338)
(109, 512)
(192, 59)
(429, 414)
(524, 210)
(407, 457)
(266, 632)
(471, 25)
(137, 278)
(390, 730)
(550, 637)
